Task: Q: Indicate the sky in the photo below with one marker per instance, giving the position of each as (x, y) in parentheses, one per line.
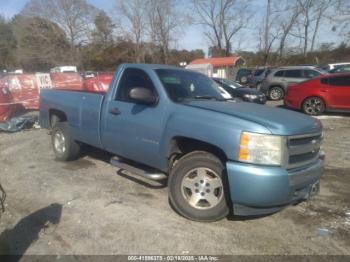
(191, 37)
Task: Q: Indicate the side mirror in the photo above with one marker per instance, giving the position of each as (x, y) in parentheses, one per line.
(142, 95)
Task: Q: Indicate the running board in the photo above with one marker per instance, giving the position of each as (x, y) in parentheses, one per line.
(137, 171)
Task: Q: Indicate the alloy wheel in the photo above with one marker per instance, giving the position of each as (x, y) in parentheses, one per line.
(202, 188)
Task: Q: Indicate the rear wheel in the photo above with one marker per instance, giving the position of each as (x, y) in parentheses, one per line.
(314, 106)
(276, 93)
(196, 187)
(64, 147)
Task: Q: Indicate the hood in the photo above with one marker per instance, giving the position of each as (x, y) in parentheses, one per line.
(279, 121)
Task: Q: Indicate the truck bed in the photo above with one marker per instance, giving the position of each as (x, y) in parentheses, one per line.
(82, 109)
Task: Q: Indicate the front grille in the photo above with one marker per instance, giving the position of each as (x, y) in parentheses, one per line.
(303, 150)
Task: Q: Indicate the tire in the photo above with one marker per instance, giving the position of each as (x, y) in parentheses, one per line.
(196, 177)
(313, 106)
(64, 147)
(276, 93)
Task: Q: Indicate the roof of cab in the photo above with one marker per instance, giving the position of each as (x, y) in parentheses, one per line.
(152, 66)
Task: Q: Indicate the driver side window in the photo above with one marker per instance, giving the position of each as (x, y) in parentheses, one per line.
(131, 78)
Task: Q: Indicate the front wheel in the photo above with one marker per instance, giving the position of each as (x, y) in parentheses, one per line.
(197, 187)
(276, 93)
(64, 146)
(314, 106)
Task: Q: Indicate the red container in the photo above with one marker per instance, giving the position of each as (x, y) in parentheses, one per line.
(23, 89)
(7, 108)
(100, 83)
(70, 81)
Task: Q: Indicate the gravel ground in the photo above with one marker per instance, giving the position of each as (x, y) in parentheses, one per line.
(87, 207)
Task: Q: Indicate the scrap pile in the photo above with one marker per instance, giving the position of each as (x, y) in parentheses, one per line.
(20, 92)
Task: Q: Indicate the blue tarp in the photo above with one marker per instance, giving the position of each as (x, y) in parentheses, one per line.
(17, 124)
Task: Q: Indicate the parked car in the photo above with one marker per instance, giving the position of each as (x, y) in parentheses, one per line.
(329, 67)
(276, 83)
(340, 69)
(325, 93)
(237, 90)
(88, 74)
(258, 76)
(216, 155)
(243, 75)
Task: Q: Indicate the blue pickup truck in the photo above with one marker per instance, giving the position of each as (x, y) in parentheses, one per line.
(217, 155)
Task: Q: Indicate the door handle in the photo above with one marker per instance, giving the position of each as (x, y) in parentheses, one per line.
(324, 90)
(115, 111)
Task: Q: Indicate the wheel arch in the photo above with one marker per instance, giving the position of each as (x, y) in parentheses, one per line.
(277, 85)
(315, 95)
(55, 116)
(180, 146)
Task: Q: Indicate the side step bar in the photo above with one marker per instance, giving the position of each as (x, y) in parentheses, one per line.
(137, 171)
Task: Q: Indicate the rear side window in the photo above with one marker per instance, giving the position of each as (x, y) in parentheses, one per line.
(311, 73)
(293, 73)
(340, 81)
(133, 77)
(279, 73)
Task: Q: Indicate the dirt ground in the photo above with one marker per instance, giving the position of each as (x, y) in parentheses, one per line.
(87, 207)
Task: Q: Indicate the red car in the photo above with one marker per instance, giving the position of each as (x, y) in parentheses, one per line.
(324, 93)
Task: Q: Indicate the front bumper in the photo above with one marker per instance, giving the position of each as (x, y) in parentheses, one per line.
(256, 190)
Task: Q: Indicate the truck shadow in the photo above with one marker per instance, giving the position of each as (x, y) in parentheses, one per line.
(233, 217)
(104, 156)
(96, 153)
(14, 242)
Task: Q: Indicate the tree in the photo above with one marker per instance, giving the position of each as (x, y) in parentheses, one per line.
(342, 20)
(320, 9)
(178, 56)
(41, 43)
(223, 19)
(75, 17)
(103, 33)
(312, 13)
(8, 45)
(163, 22)
(215, 51)
(134, 11)
(289, 14)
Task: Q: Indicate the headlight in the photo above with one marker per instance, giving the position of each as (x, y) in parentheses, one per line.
(251, 96)
(261, 149)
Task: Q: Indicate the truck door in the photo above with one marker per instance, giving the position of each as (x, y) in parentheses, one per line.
(130, 129)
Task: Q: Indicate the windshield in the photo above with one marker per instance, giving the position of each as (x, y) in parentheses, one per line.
(340, 69)
(258, 72)
(231, 83)
(183, 85)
